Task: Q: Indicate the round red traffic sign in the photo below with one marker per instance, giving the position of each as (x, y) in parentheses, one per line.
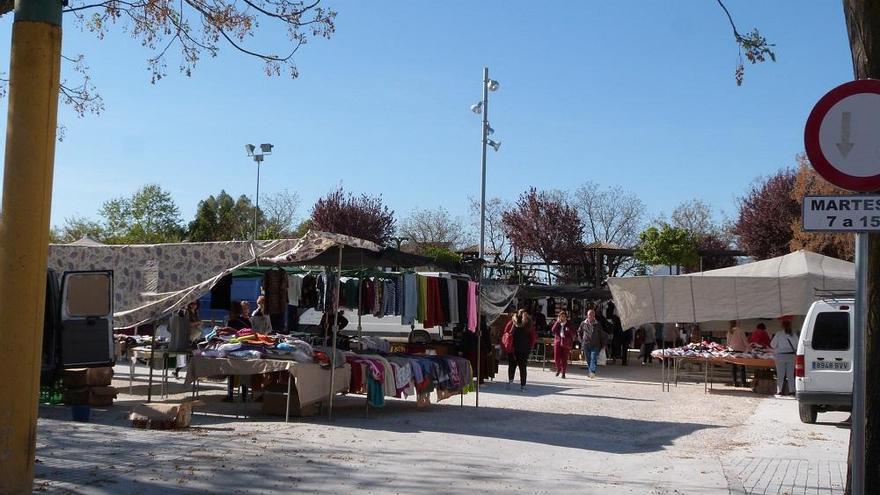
(842, 136)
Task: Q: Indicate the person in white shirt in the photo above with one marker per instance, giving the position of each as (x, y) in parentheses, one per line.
(784, 345)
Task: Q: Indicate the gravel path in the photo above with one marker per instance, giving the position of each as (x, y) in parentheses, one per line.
(618, 431)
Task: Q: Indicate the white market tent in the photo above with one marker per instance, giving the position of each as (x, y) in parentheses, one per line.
(771, 288)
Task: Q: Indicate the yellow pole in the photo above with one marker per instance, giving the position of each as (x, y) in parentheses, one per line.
(24, 230)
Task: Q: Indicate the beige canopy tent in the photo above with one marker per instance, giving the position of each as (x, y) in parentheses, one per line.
(786, 285)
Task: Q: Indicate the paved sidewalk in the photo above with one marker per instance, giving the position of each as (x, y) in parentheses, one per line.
(786, 456)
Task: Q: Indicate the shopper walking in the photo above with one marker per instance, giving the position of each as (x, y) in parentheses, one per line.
(593, 340)
(784, 346)
(563, 339)
(737, 340)
(518, 339)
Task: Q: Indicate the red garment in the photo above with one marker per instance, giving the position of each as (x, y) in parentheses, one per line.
(563, 336)
(759, 337)
(434, 313)
(357, 378)
(507, 336)
(560, 357)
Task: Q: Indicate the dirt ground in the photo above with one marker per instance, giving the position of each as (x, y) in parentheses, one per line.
(619, 431)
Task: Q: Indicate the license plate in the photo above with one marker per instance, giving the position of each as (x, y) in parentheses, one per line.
(831, 365)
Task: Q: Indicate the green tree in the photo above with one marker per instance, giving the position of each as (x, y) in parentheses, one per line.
(222, 218)
(149, 216)
(667, 245)
(75, 228)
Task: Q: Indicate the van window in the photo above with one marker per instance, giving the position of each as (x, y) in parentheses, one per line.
(831, 332)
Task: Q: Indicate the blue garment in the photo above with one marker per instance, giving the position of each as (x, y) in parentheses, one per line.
(593, 358)
(410, 299)
(375, 392)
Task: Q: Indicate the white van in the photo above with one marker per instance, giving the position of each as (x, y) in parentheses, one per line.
(823, 364)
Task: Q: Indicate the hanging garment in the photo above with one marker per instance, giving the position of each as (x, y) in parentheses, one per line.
(443, 293)
(410, 295)
(221, 293)
(434, 309)
(320, 286)
(294, 289)
(376, 308)
(309, 294)
(473, 308)
(462, 290)
(367, 296)
(423, 298)
(389, 299)
(453, 302)
(275, 289)
(350, 293)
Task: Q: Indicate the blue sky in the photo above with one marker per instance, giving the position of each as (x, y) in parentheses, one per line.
(639, 94)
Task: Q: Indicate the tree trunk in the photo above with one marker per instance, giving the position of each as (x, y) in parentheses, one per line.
(862, 21)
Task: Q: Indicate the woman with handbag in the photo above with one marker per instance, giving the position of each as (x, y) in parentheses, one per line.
(593, 340)
(518, 339)
(563, 339)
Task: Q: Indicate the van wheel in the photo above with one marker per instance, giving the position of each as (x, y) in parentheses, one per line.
(808, 413)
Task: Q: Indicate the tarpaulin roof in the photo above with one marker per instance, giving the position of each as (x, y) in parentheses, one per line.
(151, 281)
(771, 288)
(568, 291)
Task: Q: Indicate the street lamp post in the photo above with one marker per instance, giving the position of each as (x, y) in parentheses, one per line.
(486, 131)
(265, 149)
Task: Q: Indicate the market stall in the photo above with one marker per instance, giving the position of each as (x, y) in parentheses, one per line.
(708, 355)
(771, 288)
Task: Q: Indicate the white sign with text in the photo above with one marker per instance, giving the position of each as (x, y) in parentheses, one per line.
(854, 213)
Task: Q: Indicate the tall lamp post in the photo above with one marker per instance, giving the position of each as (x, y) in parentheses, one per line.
(265, 149)
(482, 107)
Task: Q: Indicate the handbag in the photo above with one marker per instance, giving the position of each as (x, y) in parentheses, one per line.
(602, 358)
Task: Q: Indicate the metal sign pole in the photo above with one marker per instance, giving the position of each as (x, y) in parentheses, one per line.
(859, 358)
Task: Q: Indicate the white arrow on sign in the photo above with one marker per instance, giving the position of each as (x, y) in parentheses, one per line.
(845, 145)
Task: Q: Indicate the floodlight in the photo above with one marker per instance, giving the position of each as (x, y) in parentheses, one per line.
(259, 157)
(250, 149)
(489, 130)
(266, 148)
(477, 108)
(495, 144)
(492, 85)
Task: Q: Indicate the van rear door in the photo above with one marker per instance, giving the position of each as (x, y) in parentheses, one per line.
(87, 319)
(827, 357)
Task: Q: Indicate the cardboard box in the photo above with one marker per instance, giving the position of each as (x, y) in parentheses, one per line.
(275, 402)
(169, 416)
(101, 396)
(74, 378)
(76, 396)
(99, 377)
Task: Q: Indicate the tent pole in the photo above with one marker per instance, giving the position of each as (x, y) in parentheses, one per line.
(360, 296)
(335, 332)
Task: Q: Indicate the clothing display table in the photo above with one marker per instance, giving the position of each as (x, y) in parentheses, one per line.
(311, 380)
